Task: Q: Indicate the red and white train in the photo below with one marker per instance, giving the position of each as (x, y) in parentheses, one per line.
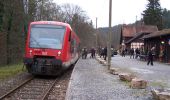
(50, 48)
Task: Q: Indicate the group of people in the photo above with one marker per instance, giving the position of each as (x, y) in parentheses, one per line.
(103, 52)
(85, 51)
(135, 53)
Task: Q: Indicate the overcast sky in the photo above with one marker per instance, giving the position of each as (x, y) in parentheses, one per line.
(123, 11)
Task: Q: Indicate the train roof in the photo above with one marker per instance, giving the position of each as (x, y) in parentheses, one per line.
(52, 23)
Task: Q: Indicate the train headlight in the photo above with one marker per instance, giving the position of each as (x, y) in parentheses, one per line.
(59, 53)
(30, 52)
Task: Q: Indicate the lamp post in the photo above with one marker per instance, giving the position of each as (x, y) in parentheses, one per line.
(109, 36)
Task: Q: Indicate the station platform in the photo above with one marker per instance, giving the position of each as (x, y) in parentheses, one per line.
(92, 81)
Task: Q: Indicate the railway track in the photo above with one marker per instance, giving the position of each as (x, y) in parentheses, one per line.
(33, 88)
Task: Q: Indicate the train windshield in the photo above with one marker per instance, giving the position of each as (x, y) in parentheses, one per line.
(47, 36)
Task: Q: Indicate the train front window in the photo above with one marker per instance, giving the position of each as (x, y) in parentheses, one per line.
(47, 36)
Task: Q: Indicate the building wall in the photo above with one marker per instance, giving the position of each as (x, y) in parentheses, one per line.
(167, 49)
(160, 44)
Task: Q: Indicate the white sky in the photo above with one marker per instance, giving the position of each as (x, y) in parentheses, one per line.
(123, 11)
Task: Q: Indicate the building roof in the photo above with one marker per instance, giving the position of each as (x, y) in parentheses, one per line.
(128, 30)
(137, 36)
(158, 33)
(131, 30)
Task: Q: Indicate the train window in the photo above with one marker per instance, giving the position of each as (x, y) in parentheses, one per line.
(47, 36)
(73, 46)
(69, 36)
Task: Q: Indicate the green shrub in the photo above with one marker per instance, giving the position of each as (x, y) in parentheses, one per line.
(11, 70)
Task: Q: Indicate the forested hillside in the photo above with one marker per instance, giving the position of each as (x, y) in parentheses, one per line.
(15, 16)
(115, 36)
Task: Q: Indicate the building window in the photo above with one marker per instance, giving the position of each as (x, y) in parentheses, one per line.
(136, 45)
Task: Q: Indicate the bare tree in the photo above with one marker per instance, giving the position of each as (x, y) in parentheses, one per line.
(16, 14)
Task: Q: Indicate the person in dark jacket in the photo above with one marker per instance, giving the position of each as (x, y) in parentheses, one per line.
(105, 53)
(84, 53)
(123, 53)
(150, 57)
(93, 53)
(137, 52)
(131, 53)
(102, 53)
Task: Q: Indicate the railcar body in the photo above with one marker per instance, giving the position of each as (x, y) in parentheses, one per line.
(50, 48)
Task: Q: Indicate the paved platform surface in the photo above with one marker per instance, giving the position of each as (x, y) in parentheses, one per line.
(92, 81)
(158, 75)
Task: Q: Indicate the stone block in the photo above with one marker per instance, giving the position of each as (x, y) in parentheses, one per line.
(104, 63)
(161, 94)
(97, 56)
(101, 61)
(126, 77)
(114, 71)
(138, 83)
(98, 59)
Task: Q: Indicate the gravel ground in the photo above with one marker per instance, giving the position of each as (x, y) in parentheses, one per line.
(92, 81)
(12, 82)
(58, 92)
(34, 90)
(157, 75)
(60, 88)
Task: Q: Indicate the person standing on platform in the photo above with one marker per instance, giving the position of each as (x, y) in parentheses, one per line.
(131, 53)
(150, 56)
(123, 53)
(105, 53)
(93, 53)
(84, 53)
(137, 52)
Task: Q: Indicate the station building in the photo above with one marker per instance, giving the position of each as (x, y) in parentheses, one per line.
(132, 35)
(161, 41)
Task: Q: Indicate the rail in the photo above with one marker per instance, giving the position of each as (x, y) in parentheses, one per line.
(49, 89)
(22, 84)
